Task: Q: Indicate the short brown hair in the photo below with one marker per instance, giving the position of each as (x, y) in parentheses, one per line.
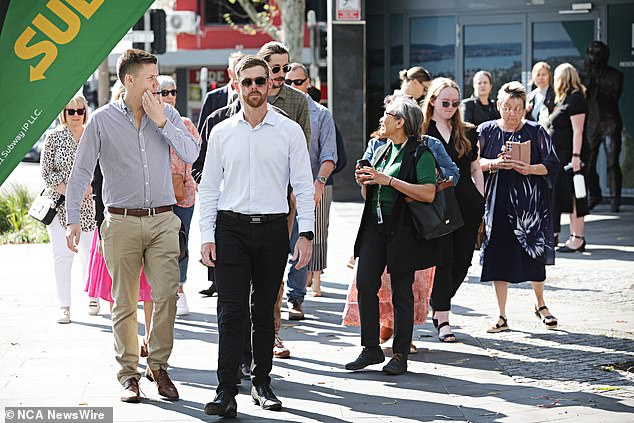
(248, 62)
(131, 59)
(271, 48)
(418, 73)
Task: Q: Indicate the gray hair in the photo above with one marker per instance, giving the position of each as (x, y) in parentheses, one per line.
(166, 81)
(407, 109)
(300, 66)
(513, 89)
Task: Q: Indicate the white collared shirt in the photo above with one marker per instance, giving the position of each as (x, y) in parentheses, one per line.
(255, 166)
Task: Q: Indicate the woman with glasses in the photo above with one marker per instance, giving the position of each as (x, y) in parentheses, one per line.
(479, 107)
(184, 186)
(402, 168)
(444, 122)
(519, 240)
(58, 157)
(566, 127)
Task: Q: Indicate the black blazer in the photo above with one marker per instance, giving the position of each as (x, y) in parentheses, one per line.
(549, 101)
(405, 253)
(214, 100)
(473, 112)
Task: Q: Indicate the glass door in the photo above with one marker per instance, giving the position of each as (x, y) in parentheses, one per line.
(495, 45)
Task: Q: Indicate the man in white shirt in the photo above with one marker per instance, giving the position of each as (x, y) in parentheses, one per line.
(254, 154)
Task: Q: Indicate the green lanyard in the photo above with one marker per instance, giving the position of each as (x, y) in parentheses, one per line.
(385, 164)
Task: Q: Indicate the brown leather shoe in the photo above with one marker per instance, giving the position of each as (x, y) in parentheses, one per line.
(295, 311)
(163, 382)
(130, 391)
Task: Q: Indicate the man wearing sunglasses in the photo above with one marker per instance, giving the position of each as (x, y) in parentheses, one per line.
(295, 104)
(253, 155)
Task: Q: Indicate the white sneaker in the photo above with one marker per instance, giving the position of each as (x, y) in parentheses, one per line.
(64, 316)
(181, 305)
(93, 306)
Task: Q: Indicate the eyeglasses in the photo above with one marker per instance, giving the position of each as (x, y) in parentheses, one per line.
(297, 82)
(71, 112)
(515, 110)
(446, 103)
(286, 68)
(394, 115)
(165, 93)
(260, 81)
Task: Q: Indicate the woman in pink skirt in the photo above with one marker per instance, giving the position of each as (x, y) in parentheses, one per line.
(422, 287)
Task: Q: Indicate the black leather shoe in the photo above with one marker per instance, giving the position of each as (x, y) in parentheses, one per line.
(244, 372)
(369, 355)
(396, 366)
(209, 292)
(223, 405)
(264, 397)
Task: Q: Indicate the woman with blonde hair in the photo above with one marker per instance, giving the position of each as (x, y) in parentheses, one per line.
(442, 120)
(541, 101)
(58, 157)
(566, 128)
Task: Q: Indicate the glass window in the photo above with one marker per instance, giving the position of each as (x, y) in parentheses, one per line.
(496, 48)
(560, 42)
(375, 85)
(396, 49)
(433, 45)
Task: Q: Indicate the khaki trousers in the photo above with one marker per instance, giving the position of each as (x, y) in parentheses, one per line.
(130, 243)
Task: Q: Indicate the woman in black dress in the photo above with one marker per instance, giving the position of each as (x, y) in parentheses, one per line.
(444, 122)
(519, 239)
(479, 107)
(566, 128)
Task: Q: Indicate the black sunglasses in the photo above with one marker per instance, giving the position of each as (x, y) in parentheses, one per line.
(260, 81)
(297, 82)
(447, 103)
(165, 93)
(286, 68)
(71, 112)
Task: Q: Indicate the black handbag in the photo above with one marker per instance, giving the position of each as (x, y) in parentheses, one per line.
(43, 208)
(440, 217)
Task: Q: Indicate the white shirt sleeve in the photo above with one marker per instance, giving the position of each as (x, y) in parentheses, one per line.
(301, 178)
(209, 189)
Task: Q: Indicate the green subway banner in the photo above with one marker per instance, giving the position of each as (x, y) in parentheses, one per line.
(48, 49)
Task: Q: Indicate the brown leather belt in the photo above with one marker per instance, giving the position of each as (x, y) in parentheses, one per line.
(139, 212)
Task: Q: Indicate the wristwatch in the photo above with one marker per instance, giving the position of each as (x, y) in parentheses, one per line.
(308, 235)
(322, 179)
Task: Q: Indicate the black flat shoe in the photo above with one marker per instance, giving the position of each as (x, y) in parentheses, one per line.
(549, 321)
(369, 356)
(396, 366)
(264, 397)
(580, 249)
(223, 405)
(209, 292)
(448, 337)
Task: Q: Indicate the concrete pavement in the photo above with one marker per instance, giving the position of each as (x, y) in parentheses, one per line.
(526, 375)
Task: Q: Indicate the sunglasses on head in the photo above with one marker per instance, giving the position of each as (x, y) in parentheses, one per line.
(286, 68)
(447, 103)
(80, 112)
(165, 93)
(260, 81)
(297, 82)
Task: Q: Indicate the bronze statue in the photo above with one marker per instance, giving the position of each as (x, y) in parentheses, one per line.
(604, 125)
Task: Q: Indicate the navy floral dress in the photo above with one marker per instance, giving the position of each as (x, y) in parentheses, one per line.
(519, 220)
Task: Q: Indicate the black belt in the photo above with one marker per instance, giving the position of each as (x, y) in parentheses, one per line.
(139, 212)
(252, 218)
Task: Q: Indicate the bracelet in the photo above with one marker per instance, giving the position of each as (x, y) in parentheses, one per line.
(389, 184)
(576, 155)
(491, 170)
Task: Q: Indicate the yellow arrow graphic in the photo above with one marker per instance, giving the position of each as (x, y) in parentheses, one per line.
(42, 23)
(27, 52)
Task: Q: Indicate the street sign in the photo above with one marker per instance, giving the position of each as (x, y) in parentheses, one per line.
(348, 10)
(139, 36)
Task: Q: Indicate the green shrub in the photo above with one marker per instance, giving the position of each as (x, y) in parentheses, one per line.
(16, 226)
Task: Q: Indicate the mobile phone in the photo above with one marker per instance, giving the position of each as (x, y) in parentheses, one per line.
(364, 163)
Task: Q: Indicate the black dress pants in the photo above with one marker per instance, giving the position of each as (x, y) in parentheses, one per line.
(250, 262)
(372, 262)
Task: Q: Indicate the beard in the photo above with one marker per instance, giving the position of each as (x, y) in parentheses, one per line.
(255, 100)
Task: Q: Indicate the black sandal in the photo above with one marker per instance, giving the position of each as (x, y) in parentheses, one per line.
(448, 337)
(580, 249)
(499, 327)
(549, 321)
